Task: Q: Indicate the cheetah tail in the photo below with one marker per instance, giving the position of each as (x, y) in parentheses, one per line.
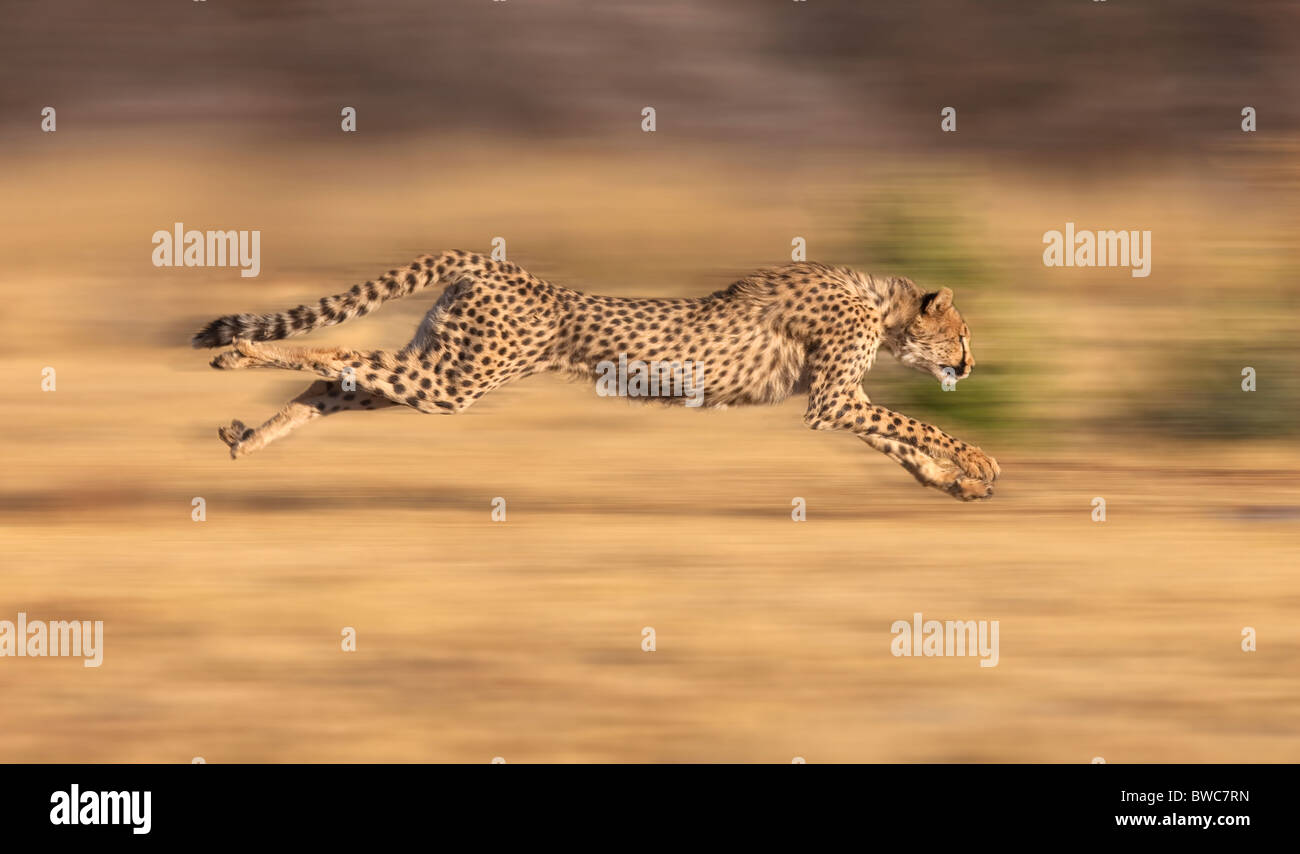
(357, 302)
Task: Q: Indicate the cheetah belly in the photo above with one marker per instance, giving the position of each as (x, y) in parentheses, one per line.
(763, 370)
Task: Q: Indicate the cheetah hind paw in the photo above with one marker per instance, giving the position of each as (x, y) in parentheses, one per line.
(233, 435)
(240, 355)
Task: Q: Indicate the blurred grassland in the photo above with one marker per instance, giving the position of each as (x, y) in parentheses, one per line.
(522, 640)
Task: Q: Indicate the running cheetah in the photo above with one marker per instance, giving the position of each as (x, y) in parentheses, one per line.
(800, 328)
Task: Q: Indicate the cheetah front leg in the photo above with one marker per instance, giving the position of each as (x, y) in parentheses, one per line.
(932, 456)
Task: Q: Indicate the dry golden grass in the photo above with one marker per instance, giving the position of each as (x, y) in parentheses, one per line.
(522, 639)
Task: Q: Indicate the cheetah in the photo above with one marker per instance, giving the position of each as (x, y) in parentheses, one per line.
(801, 328)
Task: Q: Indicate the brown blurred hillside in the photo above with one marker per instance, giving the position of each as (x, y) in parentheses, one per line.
(1047, 79)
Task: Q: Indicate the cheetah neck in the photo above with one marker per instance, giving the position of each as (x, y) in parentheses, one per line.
(898, 300)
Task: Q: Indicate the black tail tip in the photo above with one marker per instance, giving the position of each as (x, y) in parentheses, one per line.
(219, 332)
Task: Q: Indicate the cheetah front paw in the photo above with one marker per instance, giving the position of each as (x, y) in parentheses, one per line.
(977, 464)
(970, 489)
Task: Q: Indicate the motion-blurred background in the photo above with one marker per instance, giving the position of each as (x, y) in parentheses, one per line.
(522, 120)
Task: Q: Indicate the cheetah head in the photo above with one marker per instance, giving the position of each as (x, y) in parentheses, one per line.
(937, 340)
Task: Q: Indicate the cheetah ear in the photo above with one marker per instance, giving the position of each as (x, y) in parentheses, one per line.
(940, 302)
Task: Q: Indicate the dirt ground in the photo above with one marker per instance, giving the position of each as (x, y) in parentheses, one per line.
(522, 639)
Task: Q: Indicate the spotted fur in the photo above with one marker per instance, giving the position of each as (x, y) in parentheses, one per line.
(800, 328)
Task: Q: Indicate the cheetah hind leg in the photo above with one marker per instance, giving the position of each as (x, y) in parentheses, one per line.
(943, 475)
(320, 399)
